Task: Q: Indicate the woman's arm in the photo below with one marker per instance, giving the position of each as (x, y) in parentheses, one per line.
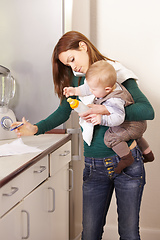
(58, 117)
(55, 119)
(141, 109)
(61, 115)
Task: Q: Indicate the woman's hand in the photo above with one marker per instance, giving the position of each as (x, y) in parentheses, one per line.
(94, 109)
(27, 129)
(96, 119)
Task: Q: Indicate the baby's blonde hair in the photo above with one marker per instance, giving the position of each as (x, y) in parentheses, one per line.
(102, 72)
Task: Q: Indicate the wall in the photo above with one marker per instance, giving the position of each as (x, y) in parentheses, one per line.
(81, 16)
(29, 31)
(129, 31)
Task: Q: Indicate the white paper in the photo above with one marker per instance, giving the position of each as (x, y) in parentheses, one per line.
(16, 147)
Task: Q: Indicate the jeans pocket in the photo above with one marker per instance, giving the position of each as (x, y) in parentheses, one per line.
(87, 172)
(136, 170)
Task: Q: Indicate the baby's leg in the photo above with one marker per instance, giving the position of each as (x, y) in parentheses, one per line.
(147, 153)
(125, 154)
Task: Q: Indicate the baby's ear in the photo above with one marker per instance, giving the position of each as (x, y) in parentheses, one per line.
(108, 89)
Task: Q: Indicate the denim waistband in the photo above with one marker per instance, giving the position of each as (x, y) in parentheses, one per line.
(109, 160)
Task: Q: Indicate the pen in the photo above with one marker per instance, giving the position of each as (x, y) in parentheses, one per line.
(21, 124)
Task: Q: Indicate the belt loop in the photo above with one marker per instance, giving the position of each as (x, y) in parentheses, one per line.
(139, 151)
(93, 163)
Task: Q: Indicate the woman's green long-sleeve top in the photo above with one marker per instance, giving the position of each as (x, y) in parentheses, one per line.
(141, 110)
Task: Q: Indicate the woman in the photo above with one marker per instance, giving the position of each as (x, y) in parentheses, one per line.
(74, 52)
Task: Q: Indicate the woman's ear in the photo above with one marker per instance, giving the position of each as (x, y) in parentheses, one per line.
(82, 46)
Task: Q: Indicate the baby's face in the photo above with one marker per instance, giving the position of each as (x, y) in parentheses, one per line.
(97, 89)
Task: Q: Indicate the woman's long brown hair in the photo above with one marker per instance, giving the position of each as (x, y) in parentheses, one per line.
(62, 74)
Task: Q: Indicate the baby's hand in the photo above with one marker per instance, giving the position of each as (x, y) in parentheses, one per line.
(69, 91)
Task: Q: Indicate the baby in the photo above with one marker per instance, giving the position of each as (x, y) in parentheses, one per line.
(101, 82)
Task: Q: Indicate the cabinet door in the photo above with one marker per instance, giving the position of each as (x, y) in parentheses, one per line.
(46, 209)
(59, 216)
(10, 224)
(35, 211)
(31, 219)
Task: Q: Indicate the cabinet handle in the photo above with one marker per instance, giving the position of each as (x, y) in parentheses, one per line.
(53, 191)
(28, 224)
(64, 154)
(13, 191)
(71, 187)
(42, 168)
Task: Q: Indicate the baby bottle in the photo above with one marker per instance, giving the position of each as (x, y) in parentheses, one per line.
(78, 106)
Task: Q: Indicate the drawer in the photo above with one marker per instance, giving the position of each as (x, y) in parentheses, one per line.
(35, 175)
(10, 194)
(15, 190)
(60, 157)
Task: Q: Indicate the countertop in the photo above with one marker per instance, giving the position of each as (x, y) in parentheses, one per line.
(11, 166)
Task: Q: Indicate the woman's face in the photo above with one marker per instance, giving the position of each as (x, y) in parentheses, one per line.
(78, 60)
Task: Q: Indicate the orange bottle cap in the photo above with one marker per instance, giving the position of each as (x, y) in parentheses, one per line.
(73, 102)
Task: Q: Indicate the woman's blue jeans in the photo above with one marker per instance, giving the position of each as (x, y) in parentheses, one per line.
(99, 181)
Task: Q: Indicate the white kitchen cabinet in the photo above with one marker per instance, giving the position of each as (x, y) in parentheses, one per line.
(40, 209)
(18, 193)
(16, 189)
(49, 216)
(10, 224)
(59, 212)
(29, 219)
(59, 181)
(35, 214)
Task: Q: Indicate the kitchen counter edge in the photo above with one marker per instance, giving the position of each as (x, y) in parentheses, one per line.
(35, 159)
